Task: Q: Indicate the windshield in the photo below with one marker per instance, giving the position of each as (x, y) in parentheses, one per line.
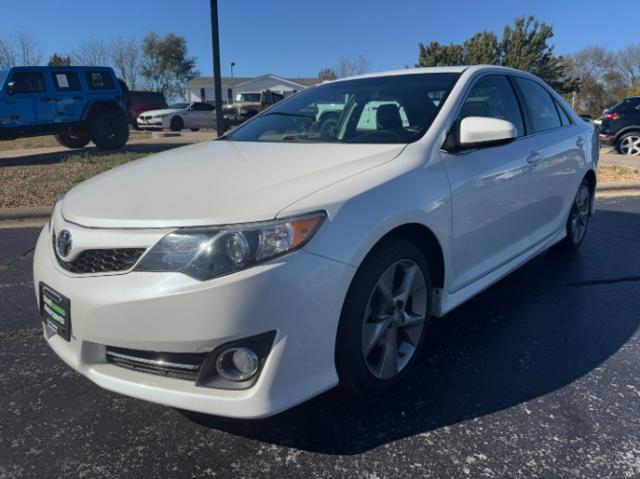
(391, 109)
(248, 97)
(3, 75)
(178, 106)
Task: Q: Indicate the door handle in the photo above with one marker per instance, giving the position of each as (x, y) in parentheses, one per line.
(580, 142)
(534, 157)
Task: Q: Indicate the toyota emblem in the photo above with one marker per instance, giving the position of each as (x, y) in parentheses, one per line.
(64, 243)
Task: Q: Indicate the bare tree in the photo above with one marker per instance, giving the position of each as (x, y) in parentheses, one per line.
(7, 53)
(19, 49)
(627, 62)
(126, 56)
(348, 66)
(29, 50)
(91, 53)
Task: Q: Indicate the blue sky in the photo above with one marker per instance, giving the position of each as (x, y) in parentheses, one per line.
(299, 38)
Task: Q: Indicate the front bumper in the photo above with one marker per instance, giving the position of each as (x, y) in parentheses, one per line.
(152, 123)
(299, 296)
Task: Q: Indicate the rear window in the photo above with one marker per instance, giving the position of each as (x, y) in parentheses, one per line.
(66, 81)
(99, 80)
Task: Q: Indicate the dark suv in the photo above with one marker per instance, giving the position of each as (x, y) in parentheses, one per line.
(77, 104)
(620, 126)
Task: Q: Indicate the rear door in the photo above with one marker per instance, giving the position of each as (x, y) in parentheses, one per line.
(492, 193)
(557, 155)
(69, 97)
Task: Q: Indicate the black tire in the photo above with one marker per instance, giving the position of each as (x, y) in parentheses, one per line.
(195, 129)
(109, 129)
(578, 216)
(353, 371)
(177, 124)
(73, 140)
(622, 147)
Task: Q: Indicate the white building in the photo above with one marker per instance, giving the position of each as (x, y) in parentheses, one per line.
(202, 88)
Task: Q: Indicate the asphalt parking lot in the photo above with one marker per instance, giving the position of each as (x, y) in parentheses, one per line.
(539, 376)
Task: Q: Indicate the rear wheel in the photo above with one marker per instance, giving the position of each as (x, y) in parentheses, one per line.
(384, 318)
(629, 144)
(79, 140)
(109, 129)
(578, 218)
(176, 124)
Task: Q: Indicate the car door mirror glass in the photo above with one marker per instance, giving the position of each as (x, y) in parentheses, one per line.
(478, 131)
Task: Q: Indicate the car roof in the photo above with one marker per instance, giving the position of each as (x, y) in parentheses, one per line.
(430, 70)
(67, 67)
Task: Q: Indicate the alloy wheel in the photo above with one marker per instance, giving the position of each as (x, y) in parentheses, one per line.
(580, 211)
(630, 145)
(394, 319)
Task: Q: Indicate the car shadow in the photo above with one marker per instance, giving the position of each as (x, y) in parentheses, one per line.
(89, 151)
(538, 330)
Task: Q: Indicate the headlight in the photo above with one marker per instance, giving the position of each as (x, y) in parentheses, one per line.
(206, 253)
(58, 199)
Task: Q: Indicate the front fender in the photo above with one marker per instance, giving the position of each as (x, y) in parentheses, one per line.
(364, 208)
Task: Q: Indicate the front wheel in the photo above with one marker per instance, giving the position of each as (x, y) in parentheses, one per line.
(176, 124)
(73, 141)
(384, 318)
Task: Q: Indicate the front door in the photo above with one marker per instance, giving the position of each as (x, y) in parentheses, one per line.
(490, 188)
(29, 103)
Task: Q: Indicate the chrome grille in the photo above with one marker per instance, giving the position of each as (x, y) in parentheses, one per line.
(175, 365)
(102, 260)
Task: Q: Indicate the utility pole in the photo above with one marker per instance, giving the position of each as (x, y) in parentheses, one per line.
(217, 81)
(233, 64)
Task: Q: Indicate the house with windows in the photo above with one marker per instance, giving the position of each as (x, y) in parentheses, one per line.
(203, 88)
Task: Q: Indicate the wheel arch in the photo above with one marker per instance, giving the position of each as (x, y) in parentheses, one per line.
(99, 106)
(628, 129)
(428, 243)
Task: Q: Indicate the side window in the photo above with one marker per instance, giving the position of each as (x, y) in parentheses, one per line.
(492, 96)
(564, 118)
(66, 81)
(28, 82)
(539, 105)
(99, 80)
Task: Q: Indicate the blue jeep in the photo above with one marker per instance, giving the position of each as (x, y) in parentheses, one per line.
(77, 104)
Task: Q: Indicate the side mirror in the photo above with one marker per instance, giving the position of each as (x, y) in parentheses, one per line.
(480, 131)
(11, 87)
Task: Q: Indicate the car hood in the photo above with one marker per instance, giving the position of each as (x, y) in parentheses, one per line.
(216, 182)
(165, 111)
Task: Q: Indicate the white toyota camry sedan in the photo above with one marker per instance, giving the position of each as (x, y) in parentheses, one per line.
(242, 276)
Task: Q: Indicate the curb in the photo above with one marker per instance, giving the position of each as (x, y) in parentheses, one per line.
(24, 213)
(619, 185)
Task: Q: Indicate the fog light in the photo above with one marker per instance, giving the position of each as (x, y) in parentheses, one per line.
(237, 364)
